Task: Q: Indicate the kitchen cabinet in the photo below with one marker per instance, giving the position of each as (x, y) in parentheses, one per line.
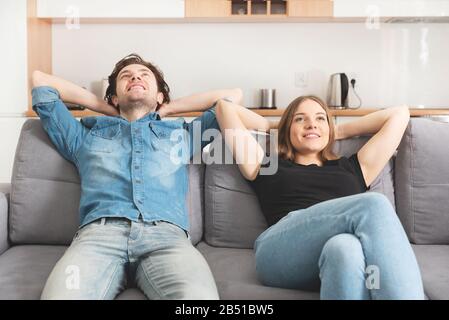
(310, 8)
(391, 8)
(207, 8)
(88, 9)
(250, 9)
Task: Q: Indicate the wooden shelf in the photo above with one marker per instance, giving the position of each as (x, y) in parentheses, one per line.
(274, 18)
(414, 112)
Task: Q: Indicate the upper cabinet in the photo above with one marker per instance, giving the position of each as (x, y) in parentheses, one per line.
(310, 8)
(391, 8)
(207, 8)
(91, 9)
(240, 10)
(250, 9)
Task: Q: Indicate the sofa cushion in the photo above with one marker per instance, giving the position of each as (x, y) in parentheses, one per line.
(3, 223)
(234, 271)
(25, 269)
(433, 261)
(384, 182)
(233, 217)
(5, 188)
(422, 182)
(45, 193)
(195, 201)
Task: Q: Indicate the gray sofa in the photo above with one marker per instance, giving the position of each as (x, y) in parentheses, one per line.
(39, 214)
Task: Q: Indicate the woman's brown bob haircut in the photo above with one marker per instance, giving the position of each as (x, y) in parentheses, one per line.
(286, 150)
(134, 58)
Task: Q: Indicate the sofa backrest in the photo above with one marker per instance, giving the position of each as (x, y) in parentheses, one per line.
(422, 181)
(45, 193)
(233, 217)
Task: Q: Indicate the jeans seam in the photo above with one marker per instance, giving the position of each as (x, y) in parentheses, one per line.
(110, 282)
(150, 281)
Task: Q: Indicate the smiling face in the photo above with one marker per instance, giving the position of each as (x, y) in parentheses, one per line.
(137, 87)
(309, 131)
(306, 129)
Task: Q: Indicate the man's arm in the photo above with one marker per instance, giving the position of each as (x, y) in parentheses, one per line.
(72, 93)
(200, 101)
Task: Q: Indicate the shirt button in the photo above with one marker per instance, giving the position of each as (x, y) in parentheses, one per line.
(137, 167)
(138, 181)
(138, 151)
(140, 201)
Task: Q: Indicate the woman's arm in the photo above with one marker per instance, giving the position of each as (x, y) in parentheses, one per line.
(200, 101)
(234, 121)
(369, 124)
(72, 93)
(388, 127)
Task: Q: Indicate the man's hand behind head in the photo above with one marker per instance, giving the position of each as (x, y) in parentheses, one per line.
(108, 110)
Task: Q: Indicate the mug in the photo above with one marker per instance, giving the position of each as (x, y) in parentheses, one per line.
(268, 98)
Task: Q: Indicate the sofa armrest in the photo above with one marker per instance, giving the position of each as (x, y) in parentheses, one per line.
(4, 245)
(5, 188)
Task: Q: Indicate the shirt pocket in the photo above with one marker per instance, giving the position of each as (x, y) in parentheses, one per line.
(170, 139)
(104, 139)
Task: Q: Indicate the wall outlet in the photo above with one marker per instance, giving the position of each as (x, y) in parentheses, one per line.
(352, 75)
(301, 79)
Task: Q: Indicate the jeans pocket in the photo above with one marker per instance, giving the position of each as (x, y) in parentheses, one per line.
(83, 229)
(177, 229)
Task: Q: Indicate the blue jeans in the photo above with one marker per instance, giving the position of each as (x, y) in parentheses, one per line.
(158, 257)
(350, 248)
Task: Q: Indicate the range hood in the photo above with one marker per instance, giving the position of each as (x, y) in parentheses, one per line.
(394, 11)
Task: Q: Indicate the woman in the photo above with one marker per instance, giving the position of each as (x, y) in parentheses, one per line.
(324, 230)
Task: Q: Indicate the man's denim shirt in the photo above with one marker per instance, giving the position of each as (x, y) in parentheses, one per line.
(126, 168)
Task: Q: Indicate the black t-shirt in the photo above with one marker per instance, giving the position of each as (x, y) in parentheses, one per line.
(295, 186)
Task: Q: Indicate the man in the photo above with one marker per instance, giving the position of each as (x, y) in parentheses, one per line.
(133, 218)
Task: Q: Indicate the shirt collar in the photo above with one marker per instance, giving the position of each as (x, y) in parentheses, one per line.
(150, 116)
(99, 121)
(147, 117)
(105, 121)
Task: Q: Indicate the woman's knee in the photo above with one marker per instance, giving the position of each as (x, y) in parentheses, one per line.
(343, 251)
(377, 200)
(378, 206)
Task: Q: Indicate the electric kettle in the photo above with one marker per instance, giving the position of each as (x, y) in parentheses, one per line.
(341, 92)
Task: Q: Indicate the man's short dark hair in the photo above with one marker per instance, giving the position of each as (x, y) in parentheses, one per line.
(134, 58)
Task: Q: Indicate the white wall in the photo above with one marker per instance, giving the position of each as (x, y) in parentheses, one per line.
(393, 65)
(399, 63)
(13, 82)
